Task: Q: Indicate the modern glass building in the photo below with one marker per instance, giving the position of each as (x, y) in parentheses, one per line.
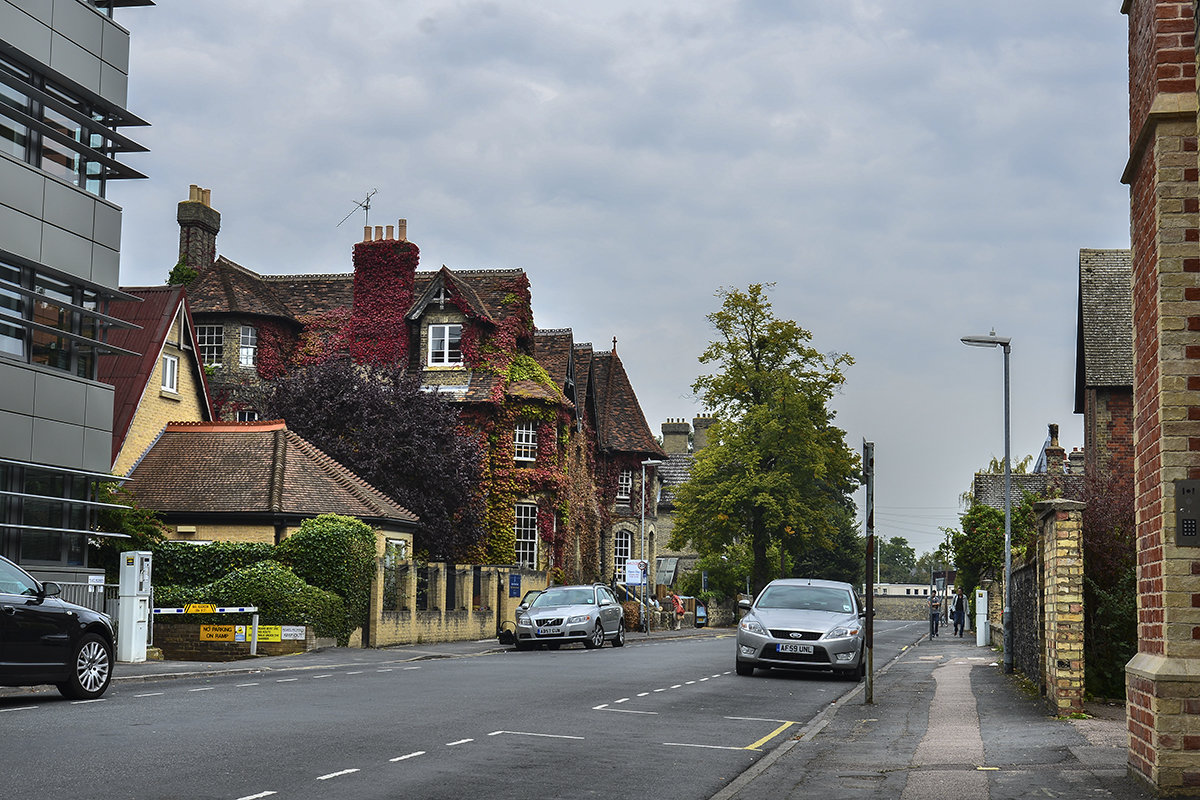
(63, 78)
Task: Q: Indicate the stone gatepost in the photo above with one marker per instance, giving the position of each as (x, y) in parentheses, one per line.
(1163, 679)
(1061, 551)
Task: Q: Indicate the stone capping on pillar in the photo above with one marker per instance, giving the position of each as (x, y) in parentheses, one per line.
(1061, 550)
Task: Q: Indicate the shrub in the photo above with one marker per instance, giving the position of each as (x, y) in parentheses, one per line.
(335, 553)
(282, 598)
(185, 564)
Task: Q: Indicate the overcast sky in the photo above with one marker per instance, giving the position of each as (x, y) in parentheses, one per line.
(905, 173)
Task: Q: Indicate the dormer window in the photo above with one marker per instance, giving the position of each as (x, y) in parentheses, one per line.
(444, 345)
(525, 441)
(625, 484)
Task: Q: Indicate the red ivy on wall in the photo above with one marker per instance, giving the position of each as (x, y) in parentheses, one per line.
(384, 274)
(275, 346)
(323, 335)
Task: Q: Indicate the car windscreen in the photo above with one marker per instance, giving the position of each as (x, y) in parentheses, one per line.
(806, 598)
(565, 597)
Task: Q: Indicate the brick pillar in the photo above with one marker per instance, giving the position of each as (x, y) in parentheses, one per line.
(199, 224)
(1061, 545)
(1163, 679)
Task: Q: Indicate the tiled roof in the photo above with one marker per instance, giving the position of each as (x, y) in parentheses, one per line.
(552, 349)
(583, 371)
(620, 424)
(253, 467)
(1104, 335)
(989, 486)
(675, 469)
(128, 374)
(226, 287)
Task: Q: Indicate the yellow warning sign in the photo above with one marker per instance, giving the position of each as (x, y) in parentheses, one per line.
(270, 633)
(199, 608)
(216, 633)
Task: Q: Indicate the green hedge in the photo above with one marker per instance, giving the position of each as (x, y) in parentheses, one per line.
(282, 598)
(335, 553)
(179, 563)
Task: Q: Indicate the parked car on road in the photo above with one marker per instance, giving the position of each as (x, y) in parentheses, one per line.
(566, 614)
(47, 640)
(798, 623)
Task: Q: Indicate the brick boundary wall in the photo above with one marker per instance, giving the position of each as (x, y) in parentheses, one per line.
(180, 641)
(1061, 553)
(1163, 679)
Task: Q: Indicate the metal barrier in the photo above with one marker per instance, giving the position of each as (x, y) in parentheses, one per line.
(96, 596)
(205, 608)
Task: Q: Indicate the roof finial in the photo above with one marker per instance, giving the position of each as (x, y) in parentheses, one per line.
(614, 344)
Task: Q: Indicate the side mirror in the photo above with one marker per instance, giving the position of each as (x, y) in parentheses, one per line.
(744, 604)
(49, 589)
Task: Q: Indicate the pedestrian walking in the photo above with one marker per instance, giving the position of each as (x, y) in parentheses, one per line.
(935, 614)
(677, 607)
(958, 611)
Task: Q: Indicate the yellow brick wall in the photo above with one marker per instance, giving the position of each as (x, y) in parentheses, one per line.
(158, 407)
(228, 533)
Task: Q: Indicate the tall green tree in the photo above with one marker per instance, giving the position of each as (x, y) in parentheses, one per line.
(775, 469)
(897, 560)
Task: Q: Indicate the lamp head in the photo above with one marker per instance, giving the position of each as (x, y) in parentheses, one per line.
(651, 462)
(991, 340)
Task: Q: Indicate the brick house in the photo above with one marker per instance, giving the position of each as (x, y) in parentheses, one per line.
(256, 482)
(535, 402)
(1104, 361)
(164, 384)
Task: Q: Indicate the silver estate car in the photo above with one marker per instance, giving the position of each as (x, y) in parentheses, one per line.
(798, 623)
(565, 614)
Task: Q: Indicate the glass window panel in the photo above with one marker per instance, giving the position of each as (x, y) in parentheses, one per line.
(211, 341)
(14, 137)
(248, 346)
(445, 344)
(525, 528)
(525, 441)
(41, 545)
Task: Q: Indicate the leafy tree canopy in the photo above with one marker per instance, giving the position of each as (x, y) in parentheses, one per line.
(407, 443)
(979, 547)
(775, 469)
(897, 560)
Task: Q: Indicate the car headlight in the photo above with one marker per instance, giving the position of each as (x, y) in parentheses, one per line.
(579, 618)
(841, 633)
(751, 625)
(522, 619)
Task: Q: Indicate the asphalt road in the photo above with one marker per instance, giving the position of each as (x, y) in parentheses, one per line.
(663, 719)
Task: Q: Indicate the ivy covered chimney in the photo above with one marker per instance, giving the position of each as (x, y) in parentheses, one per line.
(385, 266)
(199, 224)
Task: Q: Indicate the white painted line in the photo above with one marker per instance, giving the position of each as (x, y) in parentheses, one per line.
(327, 675)
(642, 694)
(460, 741)
(286, 680)
(626, 711)
(545, 735)
(203, 689)
(600, 707)
(336, 774)
(408, 668)
(150, 694)
(21, 708)
(688, 683)
(702, 680)
(410, 755)
(622, 700)
(758, 719)
(256, 796)
(383, 670)
(676, 686)
(718, 675)
(705, 746)
(357, 672)
(660, 690)
(85, 702)
(240, 685)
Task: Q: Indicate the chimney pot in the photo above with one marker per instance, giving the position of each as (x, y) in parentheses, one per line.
(391, 233)
(379, 233)
(366, 233)
(402, 230)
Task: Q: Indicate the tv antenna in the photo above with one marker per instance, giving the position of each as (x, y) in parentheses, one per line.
(365, 205)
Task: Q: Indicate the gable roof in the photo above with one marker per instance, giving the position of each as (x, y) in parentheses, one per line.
(128, 375)
(1104, 330)
(231, 288)
(253, 468)
(675, 469)
(620, 423)
(554, 350)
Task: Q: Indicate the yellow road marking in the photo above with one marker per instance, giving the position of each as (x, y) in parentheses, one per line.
(770, 736)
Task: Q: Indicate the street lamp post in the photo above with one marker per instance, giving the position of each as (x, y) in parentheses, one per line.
(992, 340)
(645, 558)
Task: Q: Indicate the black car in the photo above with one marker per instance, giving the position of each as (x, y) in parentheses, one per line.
(47, 640)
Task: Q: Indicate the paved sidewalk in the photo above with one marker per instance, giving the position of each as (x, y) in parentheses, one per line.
(946, 723)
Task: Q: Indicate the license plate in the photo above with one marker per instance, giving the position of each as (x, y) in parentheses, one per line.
(555, 632)
(793, 647)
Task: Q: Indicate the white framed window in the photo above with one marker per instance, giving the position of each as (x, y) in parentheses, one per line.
(248, 346)
(445, 345)
(247, 415)
(622, 551)
(525, 441)
(170, 373)
(525, 528)
(625, 484)
(211, 341)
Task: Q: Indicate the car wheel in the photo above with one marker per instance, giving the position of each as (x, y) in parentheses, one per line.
(596, 639)
(619, 639)
(743, 668)
(91, 669)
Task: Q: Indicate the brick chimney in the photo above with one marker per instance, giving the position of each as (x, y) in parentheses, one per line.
(1056, 456)
(700, 432)
(199, 224)
(675, 436)
(1075, 462)
(385, 267)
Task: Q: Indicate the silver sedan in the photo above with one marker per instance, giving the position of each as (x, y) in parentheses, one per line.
(566, 614)
(799, 623)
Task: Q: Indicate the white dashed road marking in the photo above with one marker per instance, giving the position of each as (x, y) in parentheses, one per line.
(460, 741)
(337, 774)
(406, 757)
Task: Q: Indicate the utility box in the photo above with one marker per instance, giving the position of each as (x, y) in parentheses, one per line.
(1187, 513)
(983, 631)
(133, 609)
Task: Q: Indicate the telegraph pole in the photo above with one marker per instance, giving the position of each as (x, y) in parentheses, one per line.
(869, 639)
